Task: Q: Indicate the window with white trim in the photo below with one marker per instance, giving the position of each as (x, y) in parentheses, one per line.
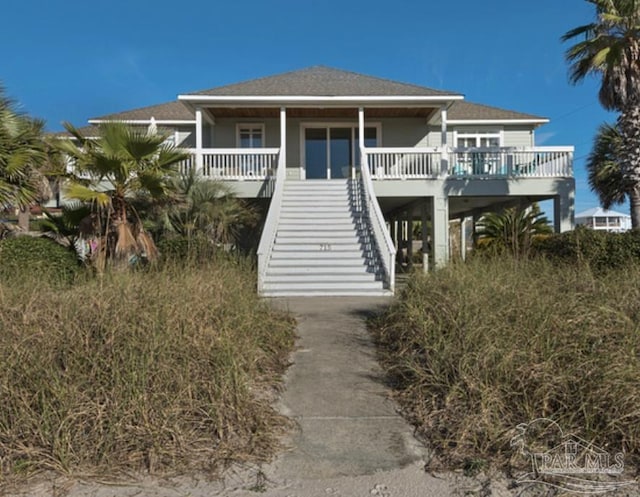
(478, 139)
(477, 162)
(250, 135)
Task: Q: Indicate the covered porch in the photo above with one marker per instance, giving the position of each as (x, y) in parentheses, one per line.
(242, 143)
(246, 144)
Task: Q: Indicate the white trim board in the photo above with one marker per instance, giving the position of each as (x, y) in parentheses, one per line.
(142, 121)
(496, 121)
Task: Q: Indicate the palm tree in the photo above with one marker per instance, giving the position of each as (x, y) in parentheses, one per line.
(611, 50)
(603, 165)
(74, 222)
(512, 230)
(109, 172)
(23, 153)
(208, 208)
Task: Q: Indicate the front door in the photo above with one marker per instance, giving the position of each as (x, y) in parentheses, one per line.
(331, 152)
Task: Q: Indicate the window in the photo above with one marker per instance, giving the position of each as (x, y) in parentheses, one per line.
(478, 139)
(250, 135)
(478, 162)
(332, 150)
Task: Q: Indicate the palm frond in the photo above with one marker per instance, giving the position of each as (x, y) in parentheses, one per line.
(83, 193)
(126, 244)
(604, 169)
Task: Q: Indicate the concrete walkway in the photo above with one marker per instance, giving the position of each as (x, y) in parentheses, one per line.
(350, 440)
(335, 391)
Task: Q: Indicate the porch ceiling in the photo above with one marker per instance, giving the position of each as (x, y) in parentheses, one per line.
(314, 112)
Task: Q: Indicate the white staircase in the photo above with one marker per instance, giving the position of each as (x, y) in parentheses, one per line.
(322, 245)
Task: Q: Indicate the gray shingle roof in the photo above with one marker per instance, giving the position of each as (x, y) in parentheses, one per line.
(93, 131)
(87, 131)
(170, 111)
(463, 110)
(322, 81)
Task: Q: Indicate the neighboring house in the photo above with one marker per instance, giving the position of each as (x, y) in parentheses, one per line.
(601, 219)
(345, 159)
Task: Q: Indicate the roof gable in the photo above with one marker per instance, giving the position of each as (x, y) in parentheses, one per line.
(463, 110)
(169, 111)
(600, 212)
(322, 81)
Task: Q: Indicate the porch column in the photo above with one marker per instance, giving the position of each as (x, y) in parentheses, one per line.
(563, 212)
(198, 139)
(463, 238)
(400, 234)
(410, 240)
(443, 125)
(444, 164)
(283, 136)
(424, 211)
(440, 229)
(360, 137)
(474, 235)
(393, 231)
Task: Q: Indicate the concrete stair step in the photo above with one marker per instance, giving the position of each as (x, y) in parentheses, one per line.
(316, 209)
(302, 267)
(316, 247)
(315, 197)
(287, 252)
(309, 231)
(317, 217)
(319, 193)
(330, 227)
(306, 278)
(316, 238)
(327, 293)
(306, 259)
(316, 204)
(309, 183)
(332, 193)
(323, 285)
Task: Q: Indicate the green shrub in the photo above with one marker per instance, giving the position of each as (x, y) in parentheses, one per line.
(599, 250)
(182, 248)
(476, 349)
(26, 257)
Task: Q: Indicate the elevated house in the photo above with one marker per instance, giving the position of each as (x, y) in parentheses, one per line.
(347, 163)
(601, 219)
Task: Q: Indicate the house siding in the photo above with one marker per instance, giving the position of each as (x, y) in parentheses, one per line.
(186, 136)
(518, 137)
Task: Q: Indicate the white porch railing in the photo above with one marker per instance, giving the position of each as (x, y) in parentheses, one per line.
(427, 162)
(404, 163)
(234, 163)
(384, 244)
(268, 237)
(533, 162)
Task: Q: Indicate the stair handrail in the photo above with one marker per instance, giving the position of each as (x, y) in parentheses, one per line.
(268, 238)
(376, 221)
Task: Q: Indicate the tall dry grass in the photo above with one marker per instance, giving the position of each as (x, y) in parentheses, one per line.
(160, 370)
(475, 349)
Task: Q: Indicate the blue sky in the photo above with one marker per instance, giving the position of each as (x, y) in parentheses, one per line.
(72, 60)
